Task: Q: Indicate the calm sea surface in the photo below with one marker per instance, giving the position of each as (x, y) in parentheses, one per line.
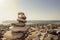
(39, 21)
(34, 21)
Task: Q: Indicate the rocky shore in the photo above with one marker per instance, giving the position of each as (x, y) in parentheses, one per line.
(44, 31)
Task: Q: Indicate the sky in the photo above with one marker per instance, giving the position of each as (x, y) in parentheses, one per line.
(33, 9)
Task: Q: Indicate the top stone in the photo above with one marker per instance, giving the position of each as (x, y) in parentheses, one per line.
(21, 15)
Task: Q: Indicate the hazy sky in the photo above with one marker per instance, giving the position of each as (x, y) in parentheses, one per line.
(33, 9)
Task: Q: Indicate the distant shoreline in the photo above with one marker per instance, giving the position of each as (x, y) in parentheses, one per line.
(34, 22)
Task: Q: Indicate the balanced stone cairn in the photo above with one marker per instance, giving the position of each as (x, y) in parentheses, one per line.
(18, 31)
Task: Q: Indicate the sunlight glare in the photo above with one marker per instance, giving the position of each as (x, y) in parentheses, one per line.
(2, 2)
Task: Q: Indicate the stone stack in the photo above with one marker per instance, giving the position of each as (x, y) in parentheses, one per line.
(20, 24)
(18, 30)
